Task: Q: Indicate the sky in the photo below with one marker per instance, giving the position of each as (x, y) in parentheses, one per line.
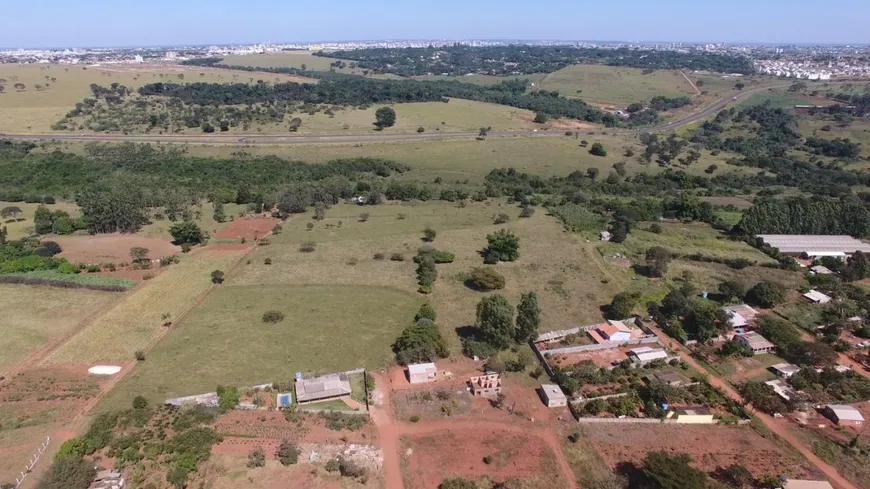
(89, 23)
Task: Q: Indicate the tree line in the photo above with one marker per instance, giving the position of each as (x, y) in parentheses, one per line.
(461, 60)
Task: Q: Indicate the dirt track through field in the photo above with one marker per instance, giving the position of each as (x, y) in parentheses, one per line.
(830, 472)
(695, 87)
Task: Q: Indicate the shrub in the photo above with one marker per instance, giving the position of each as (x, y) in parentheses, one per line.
(527, 212)
(332, 465)
(273, 316)
(73, 448)
(288, 453)
(364, 217)
(217, 277)
(501, 219)
(139, 355)
(307, 247)
(379, 256)
(655, 228)
(267, 261)
(487, 460)
(597, 149)
(257, 458)
(429, 235)
(426, 312)
(397, 257)
(352, 261)
(68, 473)
(415, 419)
(350, 469)
(487, 278)
(502, 246)
(140, 402)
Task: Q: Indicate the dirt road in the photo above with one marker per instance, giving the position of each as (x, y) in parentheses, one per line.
(830, 472)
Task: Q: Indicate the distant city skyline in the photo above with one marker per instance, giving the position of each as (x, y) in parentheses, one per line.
(99, 23)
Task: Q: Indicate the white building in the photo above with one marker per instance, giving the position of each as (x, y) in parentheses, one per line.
(645, 354)
(553, 396)
(421, 373)
(816, 297)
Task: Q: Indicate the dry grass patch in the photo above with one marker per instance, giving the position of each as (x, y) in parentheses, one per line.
(615, 85)
(35, 316)
(138, 320)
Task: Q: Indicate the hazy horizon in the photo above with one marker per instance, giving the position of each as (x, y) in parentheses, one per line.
(98, 23)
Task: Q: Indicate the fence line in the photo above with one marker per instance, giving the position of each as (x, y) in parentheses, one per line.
(607, 345)
(32, 462)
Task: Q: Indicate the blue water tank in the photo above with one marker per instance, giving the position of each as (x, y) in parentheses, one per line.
(298, 376)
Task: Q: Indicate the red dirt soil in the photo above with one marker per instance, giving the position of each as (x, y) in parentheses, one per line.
(248, 228)
(111, 248)
(617, 443)
(459, 452)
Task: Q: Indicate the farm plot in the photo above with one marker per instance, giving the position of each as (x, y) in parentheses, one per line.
(225, 341)
(615, 85)
(432, 457)
(229, 471)
(111, 248)
(629, 443)
(138, 320)
(34, 404)
(34, 316)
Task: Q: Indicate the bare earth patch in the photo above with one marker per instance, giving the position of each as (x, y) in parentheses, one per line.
(248, 228)
(111, 248)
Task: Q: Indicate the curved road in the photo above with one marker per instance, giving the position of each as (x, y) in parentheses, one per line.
(364, 138)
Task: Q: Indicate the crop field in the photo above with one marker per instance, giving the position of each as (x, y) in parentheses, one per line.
(138, 320)
(34, 316)
(566, 272)
(615, 85)
(327, 328)
(32, 110)
(24, 227)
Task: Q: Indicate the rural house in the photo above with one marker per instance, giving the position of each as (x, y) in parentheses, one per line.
(816, 297)
(694, 415)
(740, 315)
(615, 331)
(843, 415)
(805, 484)
(108, 479)
(421, 373)
(553, 396)
(322, 388)
(757, 343)
(672, 379)
(821, 270)
(646, 354)
(785, 369)
(782, 389)
(486, 385)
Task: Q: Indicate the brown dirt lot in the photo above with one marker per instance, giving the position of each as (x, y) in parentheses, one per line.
(432, 457)
(618, 443)
(111, 248)
(248, 228)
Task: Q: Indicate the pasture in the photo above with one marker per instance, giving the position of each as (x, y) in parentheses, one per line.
(326, 328)
(284, 59)
(34, 110)
(562, 268)
(34, 317)
(618, 86)
(134, 323)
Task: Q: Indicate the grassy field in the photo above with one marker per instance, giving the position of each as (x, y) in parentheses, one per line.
(482, 79)
(35, 316)
(19, 229)
(327, 328)
(562, 268)
(33, 110)
(137, 320)
(284, 59)
(686, 239)
(615, 85)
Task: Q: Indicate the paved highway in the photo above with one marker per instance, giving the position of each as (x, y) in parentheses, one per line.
(272, 139)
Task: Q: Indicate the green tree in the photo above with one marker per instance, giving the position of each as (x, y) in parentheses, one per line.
(426, 312)
(503, 245)
(228, 398)
(657, 260)
(43, 220)
(732, 289)
(288, 453)
(426, 272)
(72, 448)
(765, 294)
(541, 118)
(385, 117)
(140, 402)
(487, 278)
(597, 149)
(736, 476)
(528, 318)
(68, 473)
(592, 173)
(667, 471)
(495, 321)
(295, 124)
(420, 342)
(109, 208)
(217, 277)
(187, 232)
(219, 214)
(139, 254)
(762, 397)
(622, 305)
(10, 211)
